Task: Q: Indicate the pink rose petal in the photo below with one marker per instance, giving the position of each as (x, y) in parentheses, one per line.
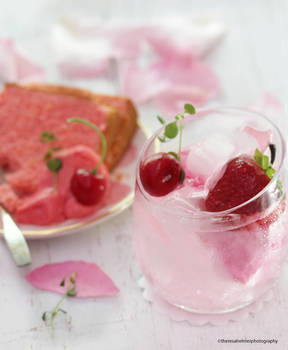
(171, 82)
(268, 101)
(127, 41)
(178, 77)
(262, 137)
(139, 84)
(91, 281)
(15, 67)
(272, 108)
(87, 71)
(180, 38)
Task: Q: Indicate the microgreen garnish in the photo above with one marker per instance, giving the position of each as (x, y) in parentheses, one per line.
(102, 138)
(189, 109)
(47, 137)
(266, 164)
(70, 291)
(52, 163)
(175, 127)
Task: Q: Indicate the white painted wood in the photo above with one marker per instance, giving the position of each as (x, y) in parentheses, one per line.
(252, 58)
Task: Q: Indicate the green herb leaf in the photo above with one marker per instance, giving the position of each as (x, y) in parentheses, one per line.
(189, 109)
(161, 120)
(62, 284)
(48, 155)
(161, 138)
(72, 292)
(54, 164)
(171, 130)
(47, 137)
(179, 116)
(63, 311)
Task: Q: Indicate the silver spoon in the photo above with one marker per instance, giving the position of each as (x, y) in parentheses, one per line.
(15, 240)
(13, 236)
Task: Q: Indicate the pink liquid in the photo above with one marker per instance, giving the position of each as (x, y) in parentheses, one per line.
(193, 266)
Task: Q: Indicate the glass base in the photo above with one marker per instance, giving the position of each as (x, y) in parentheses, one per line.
(213, 312)
(209, 312)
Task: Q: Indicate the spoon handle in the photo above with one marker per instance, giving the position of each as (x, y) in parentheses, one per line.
(15, 240)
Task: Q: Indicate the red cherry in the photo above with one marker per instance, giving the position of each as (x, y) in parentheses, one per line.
(87, 187)
(160, 174)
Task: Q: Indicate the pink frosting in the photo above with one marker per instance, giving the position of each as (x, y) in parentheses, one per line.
(47, 206)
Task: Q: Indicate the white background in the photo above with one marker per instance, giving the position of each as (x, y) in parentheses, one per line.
(252, 57)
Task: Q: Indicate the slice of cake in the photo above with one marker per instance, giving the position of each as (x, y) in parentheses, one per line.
(27, 111)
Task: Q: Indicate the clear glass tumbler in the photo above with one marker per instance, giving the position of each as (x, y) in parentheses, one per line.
(212, 262)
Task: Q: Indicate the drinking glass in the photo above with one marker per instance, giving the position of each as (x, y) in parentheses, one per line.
(212, 262)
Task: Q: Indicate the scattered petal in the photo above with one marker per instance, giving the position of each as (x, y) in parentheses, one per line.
(272, 108)
(198, 36)
(172, 82)
(178, 77)
(87, 71)
(15, 66)
(139, 84)
(91, 281)
(188, 81)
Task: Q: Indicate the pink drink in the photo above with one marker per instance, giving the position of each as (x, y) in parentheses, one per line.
(203, 261)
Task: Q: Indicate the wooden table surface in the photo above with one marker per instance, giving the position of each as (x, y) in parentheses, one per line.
(252, 58)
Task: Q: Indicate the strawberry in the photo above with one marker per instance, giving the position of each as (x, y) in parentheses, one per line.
(242, 179)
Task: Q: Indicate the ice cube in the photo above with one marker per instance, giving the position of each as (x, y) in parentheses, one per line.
(244, 143)
(205, 158)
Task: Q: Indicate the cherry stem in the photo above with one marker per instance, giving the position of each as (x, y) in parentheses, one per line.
(102, 138)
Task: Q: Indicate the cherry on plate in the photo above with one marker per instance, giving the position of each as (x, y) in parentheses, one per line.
(88, 188)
